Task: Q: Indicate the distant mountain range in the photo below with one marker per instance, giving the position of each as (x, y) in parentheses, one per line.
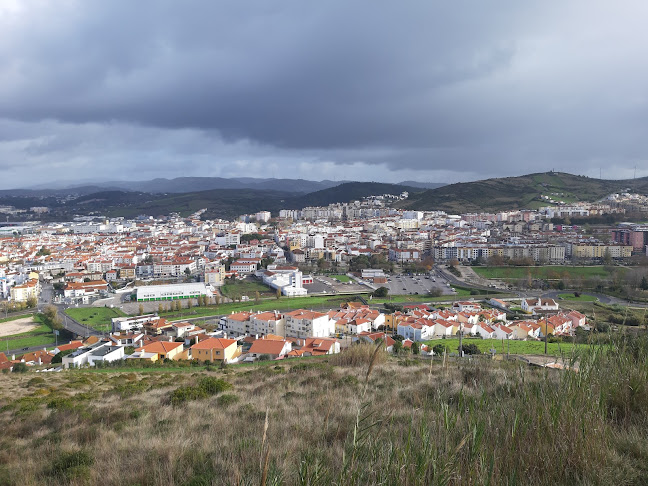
(189, 184)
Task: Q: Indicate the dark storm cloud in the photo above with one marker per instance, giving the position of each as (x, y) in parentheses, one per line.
(487, 87)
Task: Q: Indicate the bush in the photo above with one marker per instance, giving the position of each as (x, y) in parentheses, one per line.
(469, 349)
(227, 399)
(20, 368)
(70, 465)
(206, 387)
(439, 349)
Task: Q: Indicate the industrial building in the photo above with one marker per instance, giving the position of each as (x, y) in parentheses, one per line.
(172, 292)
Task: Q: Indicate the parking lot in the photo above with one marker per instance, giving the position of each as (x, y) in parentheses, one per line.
(416, 285)
(332, 285)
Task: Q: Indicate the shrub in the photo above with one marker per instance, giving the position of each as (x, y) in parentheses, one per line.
(20, 368)
(69, 465)
(227, 399)
(206, 387)
(469, 349)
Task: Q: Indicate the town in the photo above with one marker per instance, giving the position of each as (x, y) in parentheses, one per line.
(304, 282)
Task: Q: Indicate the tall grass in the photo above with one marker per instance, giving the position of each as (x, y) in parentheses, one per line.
(367, 421)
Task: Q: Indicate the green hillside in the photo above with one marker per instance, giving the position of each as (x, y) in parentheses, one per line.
(519, 192)
(220, 203)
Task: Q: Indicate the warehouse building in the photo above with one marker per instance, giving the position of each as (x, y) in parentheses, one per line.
(172, 292)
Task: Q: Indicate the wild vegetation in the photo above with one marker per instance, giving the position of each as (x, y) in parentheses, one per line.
(363, 418)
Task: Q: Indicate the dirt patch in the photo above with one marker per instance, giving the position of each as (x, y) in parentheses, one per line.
(18, 326)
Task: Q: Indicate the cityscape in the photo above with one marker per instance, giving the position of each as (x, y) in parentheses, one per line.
(337, 243)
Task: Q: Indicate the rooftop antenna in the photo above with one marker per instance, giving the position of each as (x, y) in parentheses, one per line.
(635, 172)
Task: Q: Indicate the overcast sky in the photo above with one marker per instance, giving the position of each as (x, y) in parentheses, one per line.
(437, 91)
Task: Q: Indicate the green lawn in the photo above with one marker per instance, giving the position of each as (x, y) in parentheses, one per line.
(95, 317)
(245, 287)
(36, 337)
(515, 347)
(580, 298)
(548, 272)
(341, 278)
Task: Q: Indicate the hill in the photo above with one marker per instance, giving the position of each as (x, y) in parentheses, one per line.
(221, 203)
(519, 192)
(359, 417)
(180, 185)
(349, 191)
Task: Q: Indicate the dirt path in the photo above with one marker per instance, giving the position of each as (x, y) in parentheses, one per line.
(18, 326)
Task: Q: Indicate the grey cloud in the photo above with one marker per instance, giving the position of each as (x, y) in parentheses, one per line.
(476, 87)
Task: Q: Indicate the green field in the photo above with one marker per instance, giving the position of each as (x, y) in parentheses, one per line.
(580, 298)
(341, 278)
(239, 288)
(548, 272)
(515, 347)
(41, 335)
(95, 317)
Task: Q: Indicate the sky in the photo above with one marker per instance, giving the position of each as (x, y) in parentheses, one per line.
(431, 91)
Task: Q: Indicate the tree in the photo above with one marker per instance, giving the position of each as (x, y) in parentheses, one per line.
(644, 283)
(217, 299)
(278, 293)
(189, 303)
(160, 308)
(416, 348)
(381, 292)
(257, 297)
(141, 309)
(32, 302)
(607, 257)
(397, 347)
(178, 306)
(187, 272)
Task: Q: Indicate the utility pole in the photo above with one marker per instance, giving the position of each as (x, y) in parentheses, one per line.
(545, 333)
(461, 340)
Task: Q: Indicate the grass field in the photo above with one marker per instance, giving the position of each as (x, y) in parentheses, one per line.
(548, 272)
(580, 298)
(41, 335)
(95, 317)
(341, 278)
(238, 288)
(515, 347)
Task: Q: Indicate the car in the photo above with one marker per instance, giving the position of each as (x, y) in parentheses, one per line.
(404, 288)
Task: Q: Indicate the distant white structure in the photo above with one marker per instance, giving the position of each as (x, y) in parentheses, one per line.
(172, 292)
(289, 280)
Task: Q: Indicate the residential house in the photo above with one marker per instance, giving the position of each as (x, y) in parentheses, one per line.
(216, 349)
(273, 348)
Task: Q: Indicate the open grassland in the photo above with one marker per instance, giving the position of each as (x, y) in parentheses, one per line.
(37, 336)
(348, 419)
(238, 288)
(95, 317)
(579, 298)
(341, 278)
(551, 272)
(513, 346)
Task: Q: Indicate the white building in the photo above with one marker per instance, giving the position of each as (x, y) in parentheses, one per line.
(125, 324)
(172, 292)
(89, 355)
(307, 323)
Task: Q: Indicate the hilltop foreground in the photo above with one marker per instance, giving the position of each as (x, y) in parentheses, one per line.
(360, 417)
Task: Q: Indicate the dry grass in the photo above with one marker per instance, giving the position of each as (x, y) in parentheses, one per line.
(311, 422)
